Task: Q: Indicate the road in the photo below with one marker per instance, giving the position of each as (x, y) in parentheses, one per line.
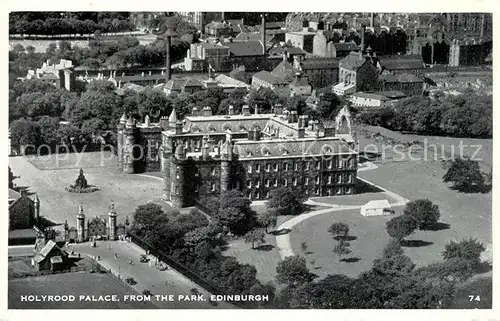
(169, 282)
(21, 250)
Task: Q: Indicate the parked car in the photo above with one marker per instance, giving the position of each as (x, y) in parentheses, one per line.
(130, 281)
(143, 259)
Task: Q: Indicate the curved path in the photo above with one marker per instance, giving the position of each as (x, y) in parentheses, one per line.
(283, 242)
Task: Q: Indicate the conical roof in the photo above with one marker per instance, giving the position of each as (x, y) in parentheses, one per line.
(124, 118)
(173, 117)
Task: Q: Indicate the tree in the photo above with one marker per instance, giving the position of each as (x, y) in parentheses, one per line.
(255, 236)
(24, 132)
(303, 247)
(212, 233)
(400, 227)
(393, 248)
(145, 215)
(339, 230)
(423, 212)
(464, 174)
(268, 219)
(342, 248)
(293, 271)
(394, 265)
(470, 250)
(190, 221)
(48, 130)
(286, 201)
(235, 212)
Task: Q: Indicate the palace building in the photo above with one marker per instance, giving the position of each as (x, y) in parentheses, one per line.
(205, 154)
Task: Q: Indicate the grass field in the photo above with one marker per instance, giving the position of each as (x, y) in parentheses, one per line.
(72, 284)
(58, 205)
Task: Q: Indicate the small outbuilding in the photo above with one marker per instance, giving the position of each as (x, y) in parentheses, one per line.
(376, 208)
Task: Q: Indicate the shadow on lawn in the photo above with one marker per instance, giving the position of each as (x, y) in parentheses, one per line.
(351, 260)
(345, 238)
(415, 243)
(281, 232)
(265, 248)
(485, 188)
(483, 267)
(439, 226)
(363, 187)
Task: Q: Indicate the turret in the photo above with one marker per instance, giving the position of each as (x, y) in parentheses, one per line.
(112, 222)
(225, 174)
(36, 202)
(119, 139)
(129, 146)
(80, 225)
(172, 120)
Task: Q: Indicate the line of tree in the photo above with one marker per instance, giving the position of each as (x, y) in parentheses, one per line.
(57, 23)
(465, 115)
(194, 241)
(393, 282)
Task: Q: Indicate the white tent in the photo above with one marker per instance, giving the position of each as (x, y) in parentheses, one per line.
(376, 208)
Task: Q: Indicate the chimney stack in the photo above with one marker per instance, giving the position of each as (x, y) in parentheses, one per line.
(178, 127)
(204, 148)
(246, 110)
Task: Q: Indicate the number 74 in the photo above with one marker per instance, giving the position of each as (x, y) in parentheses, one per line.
(474, 298)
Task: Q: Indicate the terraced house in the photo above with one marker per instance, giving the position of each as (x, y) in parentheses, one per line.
(204, 154)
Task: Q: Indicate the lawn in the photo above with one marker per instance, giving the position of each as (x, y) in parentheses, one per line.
(58, 205)
(72, 284)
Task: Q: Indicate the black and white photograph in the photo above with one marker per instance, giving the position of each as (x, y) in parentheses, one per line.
(249, 160)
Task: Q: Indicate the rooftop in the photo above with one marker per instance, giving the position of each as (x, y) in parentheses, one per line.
(375, 96)
(245, 48)
(269, 78)
(402, 62)
(352, 61)
(320, 63)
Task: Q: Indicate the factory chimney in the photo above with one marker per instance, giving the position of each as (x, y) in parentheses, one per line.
(263, 32)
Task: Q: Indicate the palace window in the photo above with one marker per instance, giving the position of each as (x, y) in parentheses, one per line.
(276, 167)
(275, 182)
(257, 195)
(285, 182)
(317, 180)
(295, 181)
(316, 191)
(257, 168)
(213, 187)
(268, 168)
(307, 192)
(330, 164)
(249, 183)
(257, 184)
(214, 171)
(267, 194)
(308, 165)
(249, 168)
(196, 188)
(339, 178)
(349, 178)
(296, 166)
(307, 181)
(267, 182)
(285, 166)
(329, 179)
(338, 191)
(318, 164)
(348, 190)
